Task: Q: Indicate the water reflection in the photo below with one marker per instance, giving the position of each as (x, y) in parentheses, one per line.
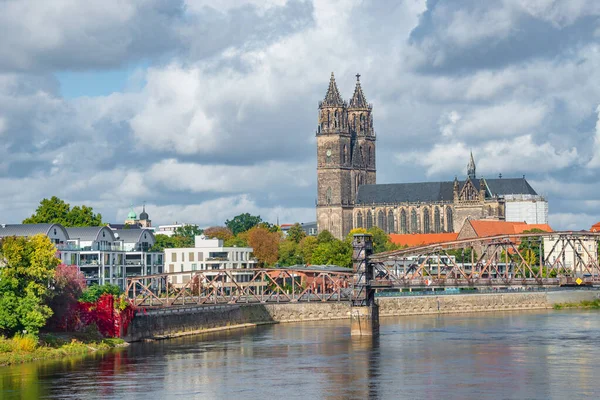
(485, 356)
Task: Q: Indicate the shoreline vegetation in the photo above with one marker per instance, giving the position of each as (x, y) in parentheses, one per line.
(27, 348)
(584, 304)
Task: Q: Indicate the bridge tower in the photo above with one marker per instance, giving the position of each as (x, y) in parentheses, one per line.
(365, 313)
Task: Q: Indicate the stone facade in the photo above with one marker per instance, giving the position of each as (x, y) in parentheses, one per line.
(348, 195)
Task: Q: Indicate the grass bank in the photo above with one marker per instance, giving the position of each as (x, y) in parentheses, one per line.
(26, 348)
(591, 304)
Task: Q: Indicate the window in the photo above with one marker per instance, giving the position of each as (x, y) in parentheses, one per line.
(426, 222)
(449, 220)
(191, 256)
(390, 222)
(381, 219)
(194, 267)
(328, 196)
(369, 220)
(344, 153)
(181, 268)
(436, 221)
(359, 220)
(403, 223)
(328, 156)
(182, 256)
(414, 222)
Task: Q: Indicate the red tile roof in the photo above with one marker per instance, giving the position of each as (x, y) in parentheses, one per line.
(486, 228)
(595, 227)
(421, 239)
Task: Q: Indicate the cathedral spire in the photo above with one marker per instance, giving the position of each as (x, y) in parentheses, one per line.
(333, 97)
(471, 167)
(358, 99)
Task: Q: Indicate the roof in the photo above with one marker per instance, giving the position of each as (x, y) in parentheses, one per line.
(486, 228)
(435, 191)
(137, 225)
(333, 97)
(132, 235)
(595, 227)
(422, 239)
(89, 234)
(29, 229)
(358, 99)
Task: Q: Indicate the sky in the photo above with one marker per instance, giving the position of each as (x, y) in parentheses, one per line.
(204, 110)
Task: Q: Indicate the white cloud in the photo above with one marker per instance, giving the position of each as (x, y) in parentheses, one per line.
(516, 155)
(595, 161)
(198, 178)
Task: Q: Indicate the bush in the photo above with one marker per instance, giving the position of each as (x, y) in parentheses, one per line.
(5, 345)
(26, 343)
(94, 292)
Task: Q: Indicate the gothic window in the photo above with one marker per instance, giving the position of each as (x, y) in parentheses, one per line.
(328, 156)
(359, 221)
(436, 221)
(344, 155)
(335, 118)
(328, 120)
(403, 223)
(369, 157)
(381, 219)
(426, 223)
(354, 122)
(390, 222)
(449, 220)
(414, 223)
(328, 196)
(369, 220)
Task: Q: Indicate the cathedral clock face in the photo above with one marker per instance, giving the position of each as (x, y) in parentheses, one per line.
(328, 153)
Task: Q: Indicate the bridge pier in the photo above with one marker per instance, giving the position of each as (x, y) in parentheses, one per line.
(365, 313)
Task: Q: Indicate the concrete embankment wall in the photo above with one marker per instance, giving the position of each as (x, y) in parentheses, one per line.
(173, 322)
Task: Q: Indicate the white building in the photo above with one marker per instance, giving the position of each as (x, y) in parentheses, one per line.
(532, 209)
(169, 230)
(572, 254)
(102, 254)
(208, 255)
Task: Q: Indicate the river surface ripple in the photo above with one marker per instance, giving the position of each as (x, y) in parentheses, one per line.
(518, 355)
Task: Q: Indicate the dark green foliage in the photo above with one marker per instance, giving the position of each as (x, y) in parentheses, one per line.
(325, 237)
(242, 223)
(55, 210)
(164, 242)
(296, 233)
(186, 235)
(93, 293)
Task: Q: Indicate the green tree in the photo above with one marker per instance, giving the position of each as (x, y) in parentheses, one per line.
(164, 242)
(296, 233)
(335, 252)
(289, 253)
(240, 240)
(186, 235)
(532, 248)
(56, 211)
(265, 245)
(381, 240)
(306, 247)
(26, 275)
(242, 223)
(325, 237)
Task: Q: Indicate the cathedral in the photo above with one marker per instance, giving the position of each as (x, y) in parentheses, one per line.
(348, 195)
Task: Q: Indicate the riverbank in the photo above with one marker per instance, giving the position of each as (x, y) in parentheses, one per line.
(21, 349)
(589, 304)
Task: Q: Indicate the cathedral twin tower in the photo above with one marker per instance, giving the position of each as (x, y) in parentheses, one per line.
(345, 156)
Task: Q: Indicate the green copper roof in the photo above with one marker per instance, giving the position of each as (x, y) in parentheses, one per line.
(132, 214)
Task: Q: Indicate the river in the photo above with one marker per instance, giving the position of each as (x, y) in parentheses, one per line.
(503, 355)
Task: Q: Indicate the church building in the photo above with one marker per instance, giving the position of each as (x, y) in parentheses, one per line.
(348, 195)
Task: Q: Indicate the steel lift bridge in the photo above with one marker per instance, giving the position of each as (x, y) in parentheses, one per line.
(492, 262)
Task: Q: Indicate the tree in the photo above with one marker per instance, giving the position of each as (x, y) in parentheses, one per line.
(296, 233)
(242, 223)
(532, 248)
(186, 235)
(26, 275)
(265, 245)
(289, 254)
(381, 240)
(241, 240)
(164, 242)
(218, 232)
(56, 211)
(306, 247)
(69, 284)
(325, 237)
(335, 252)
